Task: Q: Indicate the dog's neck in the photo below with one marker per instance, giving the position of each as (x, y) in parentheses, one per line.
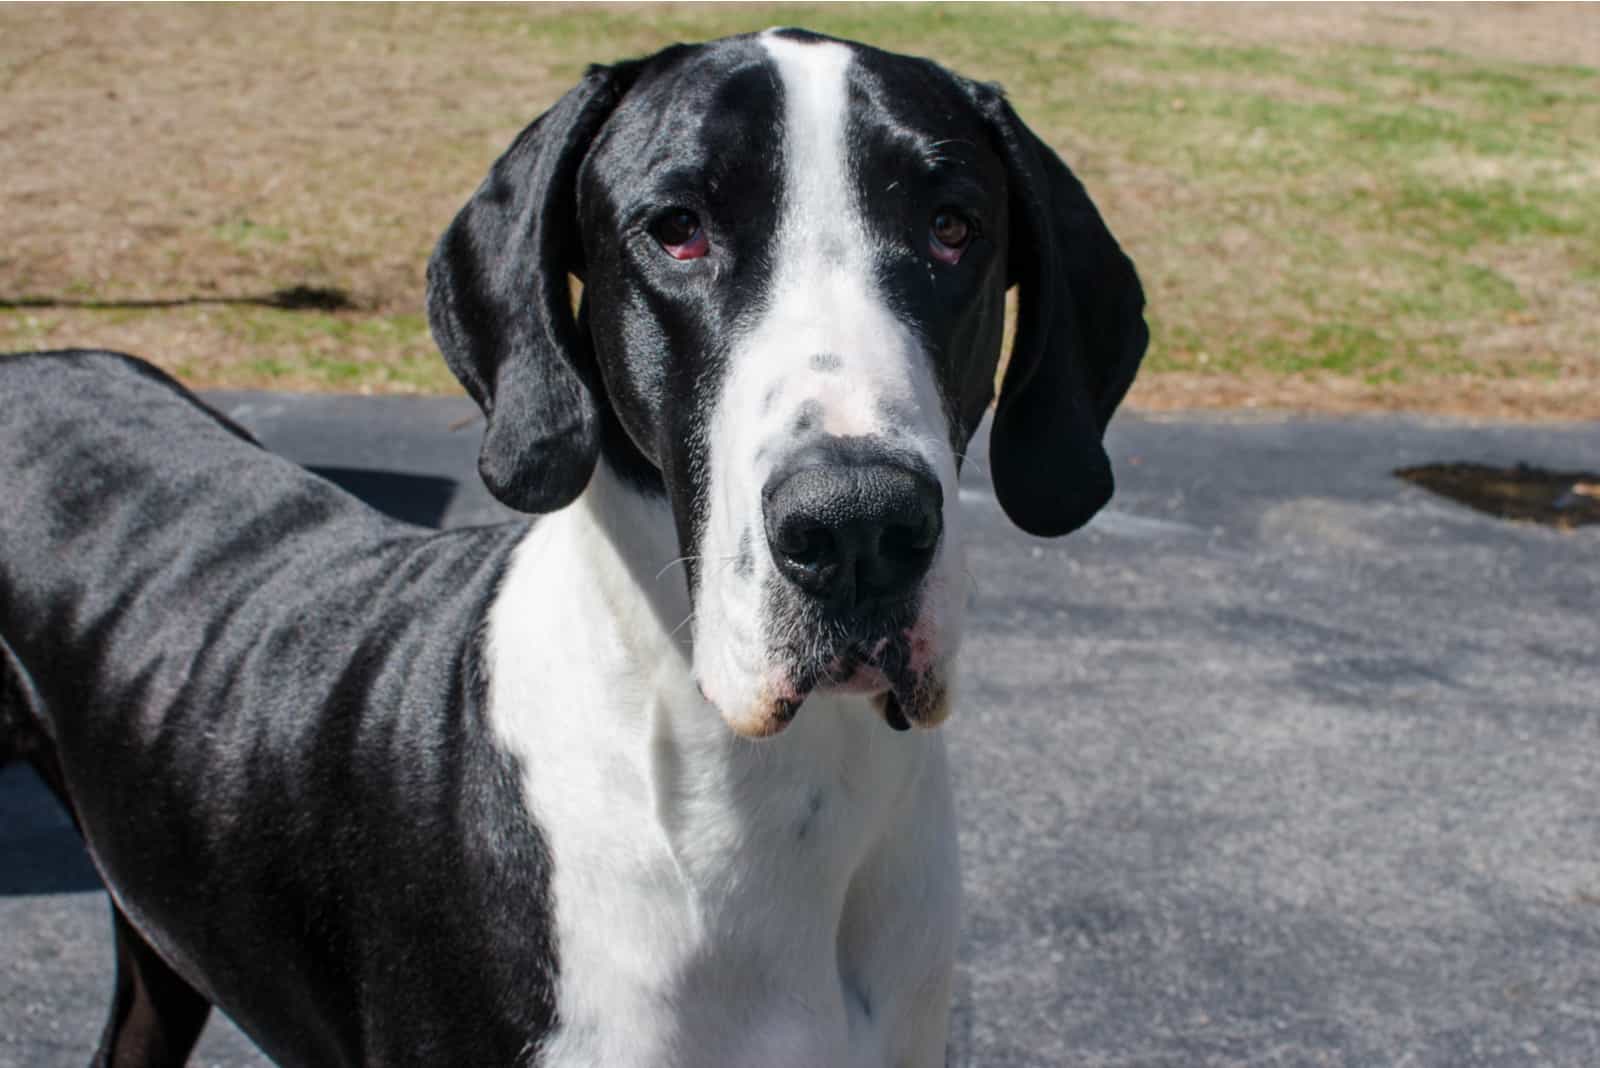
(628, 539)
(695, 867)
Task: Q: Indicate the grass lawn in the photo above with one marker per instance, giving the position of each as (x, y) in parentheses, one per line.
(1333, 208)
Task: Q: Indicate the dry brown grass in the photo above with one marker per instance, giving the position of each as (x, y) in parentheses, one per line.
(184, 152)
(1539, 33)
(217, 154)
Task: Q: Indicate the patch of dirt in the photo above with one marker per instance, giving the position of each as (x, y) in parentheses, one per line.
(198, 151)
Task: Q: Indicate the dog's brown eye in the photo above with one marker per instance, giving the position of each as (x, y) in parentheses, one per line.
(680, 234)
(949, 233)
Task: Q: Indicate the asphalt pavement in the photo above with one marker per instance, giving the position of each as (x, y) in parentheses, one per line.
(1281, 761)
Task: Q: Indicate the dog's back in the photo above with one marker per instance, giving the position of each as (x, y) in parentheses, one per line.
(71, 460)
(176, 606)
(128, 504)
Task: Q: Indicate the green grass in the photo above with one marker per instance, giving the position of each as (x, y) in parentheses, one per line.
(1297, 210)
(244, 233)
(339, 351)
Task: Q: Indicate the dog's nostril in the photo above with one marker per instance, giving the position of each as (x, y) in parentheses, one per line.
(803, 542)
(909, 539)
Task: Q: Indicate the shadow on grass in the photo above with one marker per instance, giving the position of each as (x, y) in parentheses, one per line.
(294, 298)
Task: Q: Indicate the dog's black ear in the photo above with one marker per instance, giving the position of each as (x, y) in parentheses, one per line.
(501, 310)
(1080, 336)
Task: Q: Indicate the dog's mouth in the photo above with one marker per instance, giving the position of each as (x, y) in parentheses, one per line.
(879, 670)
(896, 674)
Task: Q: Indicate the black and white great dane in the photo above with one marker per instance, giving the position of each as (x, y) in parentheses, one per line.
(393, 797)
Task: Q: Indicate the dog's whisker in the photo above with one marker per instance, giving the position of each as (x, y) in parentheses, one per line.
(670, 564)
(978, 465)
(972, 582)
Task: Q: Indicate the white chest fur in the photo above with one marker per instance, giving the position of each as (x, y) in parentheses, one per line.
(788, 903)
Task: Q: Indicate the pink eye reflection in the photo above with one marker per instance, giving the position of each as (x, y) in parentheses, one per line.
(692, 249)
(680, 234)
(949, 234)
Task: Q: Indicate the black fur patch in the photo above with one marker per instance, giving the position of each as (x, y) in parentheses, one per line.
(808, 417)
(810, 817)
(744, 564)
(826, 362)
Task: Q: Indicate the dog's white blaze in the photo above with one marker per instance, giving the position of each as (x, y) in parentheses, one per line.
(823, 299)
(716, 901)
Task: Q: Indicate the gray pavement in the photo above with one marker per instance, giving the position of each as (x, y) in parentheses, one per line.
(1281, 761)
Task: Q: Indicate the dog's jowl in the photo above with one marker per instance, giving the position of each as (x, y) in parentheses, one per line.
(637, 784)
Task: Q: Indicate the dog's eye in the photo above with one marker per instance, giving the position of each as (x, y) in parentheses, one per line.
(680, 234)
(949, 233)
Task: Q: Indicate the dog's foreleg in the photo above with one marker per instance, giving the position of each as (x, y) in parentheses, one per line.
(156, 1016)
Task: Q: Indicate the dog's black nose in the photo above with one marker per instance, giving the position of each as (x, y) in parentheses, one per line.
(853, 534)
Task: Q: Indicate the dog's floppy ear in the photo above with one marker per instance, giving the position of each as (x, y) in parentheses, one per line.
(1080, 336)
(501, 311)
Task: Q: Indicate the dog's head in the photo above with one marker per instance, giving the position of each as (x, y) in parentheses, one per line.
(795, 253)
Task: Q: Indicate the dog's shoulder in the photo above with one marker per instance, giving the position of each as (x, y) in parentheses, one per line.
(136, 510)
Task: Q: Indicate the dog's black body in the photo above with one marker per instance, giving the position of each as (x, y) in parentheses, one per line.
(342, 813)
(272, 711)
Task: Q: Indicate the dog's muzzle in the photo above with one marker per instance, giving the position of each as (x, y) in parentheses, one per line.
(853, 533)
